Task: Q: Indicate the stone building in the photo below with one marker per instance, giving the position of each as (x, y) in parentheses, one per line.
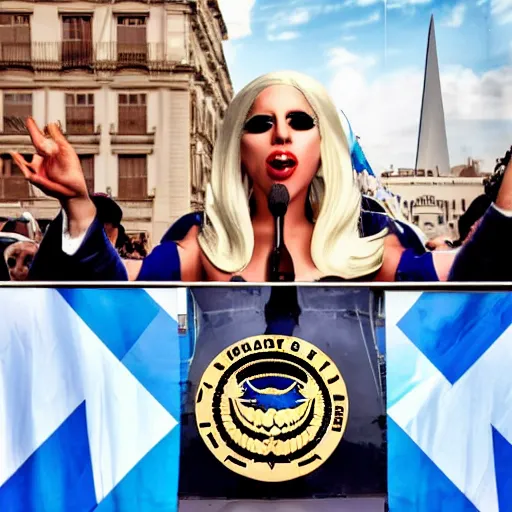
(139, 87)
(433, 202)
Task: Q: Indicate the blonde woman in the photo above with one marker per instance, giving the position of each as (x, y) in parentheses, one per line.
(282, 127)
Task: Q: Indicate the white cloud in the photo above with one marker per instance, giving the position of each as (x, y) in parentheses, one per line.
(285, 19)
(237, 16)
(284, 36)
(399, 4)
(456, 16)
(329, 8)
(340, 57)
(299, 17)
(372, 18)
(230, 52)
(385, 111)
(365, 3)
(349, 38)
(502, 10)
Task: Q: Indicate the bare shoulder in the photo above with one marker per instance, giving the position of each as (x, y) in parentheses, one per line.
(443, 261)
(393, 251)
(189, 253)
(132, 268)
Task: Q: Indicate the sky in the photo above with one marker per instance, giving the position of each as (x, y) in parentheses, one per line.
(370, 55)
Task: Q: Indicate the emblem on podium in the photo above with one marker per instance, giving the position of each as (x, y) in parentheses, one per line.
(272, 408)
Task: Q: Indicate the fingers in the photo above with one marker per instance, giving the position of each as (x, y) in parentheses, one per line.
(29, 170)
(37, 160)
(23, 165)
(56, 133)
(44, 146)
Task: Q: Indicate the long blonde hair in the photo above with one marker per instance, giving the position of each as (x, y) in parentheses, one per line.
(337, 249)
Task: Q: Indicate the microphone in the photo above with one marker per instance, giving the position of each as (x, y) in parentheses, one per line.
(280, 263)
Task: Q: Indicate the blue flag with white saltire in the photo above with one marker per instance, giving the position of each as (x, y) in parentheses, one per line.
(449, 394)
(89, 399)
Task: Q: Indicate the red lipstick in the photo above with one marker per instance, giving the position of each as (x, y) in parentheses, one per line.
(281, 164)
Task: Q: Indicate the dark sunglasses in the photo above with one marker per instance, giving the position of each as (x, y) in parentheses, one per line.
(299, 121)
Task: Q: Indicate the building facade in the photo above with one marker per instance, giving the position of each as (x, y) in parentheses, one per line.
(139, 87)
(435, 203)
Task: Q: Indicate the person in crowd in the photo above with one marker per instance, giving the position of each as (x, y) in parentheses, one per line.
(284, 128)
(110, 215)
(19, 257)
(439, 243)
(471, 218)
(467, 225)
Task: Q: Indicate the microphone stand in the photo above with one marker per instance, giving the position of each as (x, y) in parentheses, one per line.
(282, 310)
(280, 260)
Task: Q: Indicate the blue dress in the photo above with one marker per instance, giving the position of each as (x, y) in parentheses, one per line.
(97, 260)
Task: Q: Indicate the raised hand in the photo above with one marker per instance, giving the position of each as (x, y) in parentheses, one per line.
(56, 170)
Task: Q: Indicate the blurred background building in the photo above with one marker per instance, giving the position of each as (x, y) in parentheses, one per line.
(432, 201)
(139, 87)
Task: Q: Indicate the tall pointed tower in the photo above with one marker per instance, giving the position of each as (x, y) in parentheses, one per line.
(432, 153)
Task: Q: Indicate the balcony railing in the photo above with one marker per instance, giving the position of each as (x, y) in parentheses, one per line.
(101, 56)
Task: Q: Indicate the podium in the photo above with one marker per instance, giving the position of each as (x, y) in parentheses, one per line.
(338, 323)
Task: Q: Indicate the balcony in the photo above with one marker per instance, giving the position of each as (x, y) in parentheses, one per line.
(61, 56)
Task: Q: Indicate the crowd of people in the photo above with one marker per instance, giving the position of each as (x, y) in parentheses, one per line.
(20, 238)
(282, 127)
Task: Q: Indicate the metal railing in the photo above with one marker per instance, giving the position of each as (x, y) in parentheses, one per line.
(101, 56)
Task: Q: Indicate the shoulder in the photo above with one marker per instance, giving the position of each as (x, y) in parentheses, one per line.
(371, 223)
(132, 268)
(393, 251)
(182, 227)
(408, 235)
(177, 257)
(443, 261)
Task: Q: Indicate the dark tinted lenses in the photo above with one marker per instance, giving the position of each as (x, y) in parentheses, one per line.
(28, 261)
(301, 121)
(11, 262)
(259, 124)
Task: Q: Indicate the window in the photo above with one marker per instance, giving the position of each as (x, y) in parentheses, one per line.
(17, 107)
(13, 185)
(463, 205)
(133, 177)
(131, 40)
(76, 41)
(80, 114)
(14, 39)
(453, 204)
(87, 162)
(132, 114)
(416, 219)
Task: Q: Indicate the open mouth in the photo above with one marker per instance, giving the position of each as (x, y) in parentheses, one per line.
(281, 165)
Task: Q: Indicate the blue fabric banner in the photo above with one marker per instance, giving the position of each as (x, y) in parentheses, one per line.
(449, 399)
(90, 399)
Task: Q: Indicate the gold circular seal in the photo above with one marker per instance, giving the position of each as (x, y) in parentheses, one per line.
(272, 408)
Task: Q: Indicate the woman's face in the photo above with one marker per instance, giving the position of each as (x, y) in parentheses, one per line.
(280, 141)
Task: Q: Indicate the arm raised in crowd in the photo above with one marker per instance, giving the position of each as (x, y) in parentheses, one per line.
(486, 255)
(57, 172)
